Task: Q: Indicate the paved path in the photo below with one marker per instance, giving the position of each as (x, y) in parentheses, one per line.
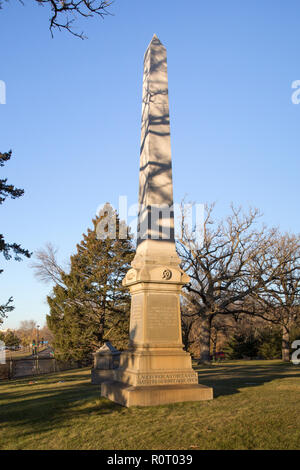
(44, 353)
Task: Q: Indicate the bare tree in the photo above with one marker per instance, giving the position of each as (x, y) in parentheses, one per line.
(46, 266)
(279, 302)
(63, 14)
(46, 334)
(187, 324)
(26, 331)
(221, 328)
(230, 262)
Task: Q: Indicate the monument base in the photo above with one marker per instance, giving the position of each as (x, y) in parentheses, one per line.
(154, 376)
(130, 395)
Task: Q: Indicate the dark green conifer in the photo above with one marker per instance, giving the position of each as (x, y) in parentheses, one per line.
(92, 306)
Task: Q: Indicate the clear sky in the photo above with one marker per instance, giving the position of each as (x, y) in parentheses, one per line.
(73, 110)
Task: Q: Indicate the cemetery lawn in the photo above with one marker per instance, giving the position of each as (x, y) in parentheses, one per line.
(21, 354)
(256, 406)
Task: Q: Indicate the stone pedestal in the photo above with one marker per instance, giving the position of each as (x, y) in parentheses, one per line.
(156, 370)
(106, 359)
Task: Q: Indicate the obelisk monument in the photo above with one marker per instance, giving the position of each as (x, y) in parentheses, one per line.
(156, 369)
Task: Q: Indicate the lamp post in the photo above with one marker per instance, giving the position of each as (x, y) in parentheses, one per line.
(37, 337)
(37, 345)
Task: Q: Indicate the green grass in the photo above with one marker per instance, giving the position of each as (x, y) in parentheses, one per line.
(256, 406)
(21, 354)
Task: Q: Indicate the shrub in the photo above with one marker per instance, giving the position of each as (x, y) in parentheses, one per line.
(241, 346)
(270, 344)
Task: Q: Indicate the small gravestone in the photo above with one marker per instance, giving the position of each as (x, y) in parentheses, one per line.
(106, 359)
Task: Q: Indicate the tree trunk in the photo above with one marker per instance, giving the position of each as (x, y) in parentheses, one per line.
(205, 333)
(285, 345)
(214, 341)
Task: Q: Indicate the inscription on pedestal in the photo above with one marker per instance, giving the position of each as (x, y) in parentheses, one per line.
(165, 379)
(136, 318)
(162, 317)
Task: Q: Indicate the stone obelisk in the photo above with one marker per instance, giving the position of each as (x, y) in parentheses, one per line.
(156, 369)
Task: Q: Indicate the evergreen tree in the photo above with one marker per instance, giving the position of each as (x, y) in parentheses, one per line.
(11, 340)
(9, 250)
(242, 345)
(92, 306)
(265, 344)
(270, 344)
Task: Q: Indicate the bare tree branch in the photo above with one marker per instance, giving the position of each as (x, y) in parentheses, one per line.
(63, 13)
(46, 266)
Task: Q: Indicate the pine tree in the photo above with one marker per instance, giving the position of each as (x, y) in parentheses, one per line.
(270, 343)
(9, 250)
(242, 345)
(11, 340)
(92, 306)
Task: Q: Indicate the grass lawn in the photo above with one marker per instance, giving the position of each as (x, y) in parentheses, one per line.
(256, 406)
(23, 354)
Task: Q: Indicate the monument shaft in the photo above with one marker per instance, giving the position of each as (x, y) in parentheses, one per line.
(155, 369)
(155, 184)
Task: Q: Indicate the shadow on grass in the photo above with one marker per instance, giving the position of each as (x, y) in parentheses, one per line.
(47, 404)
(228, 378)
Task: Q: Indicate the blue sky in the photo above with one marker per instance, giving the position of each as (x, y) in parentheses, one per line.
(72, 118)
